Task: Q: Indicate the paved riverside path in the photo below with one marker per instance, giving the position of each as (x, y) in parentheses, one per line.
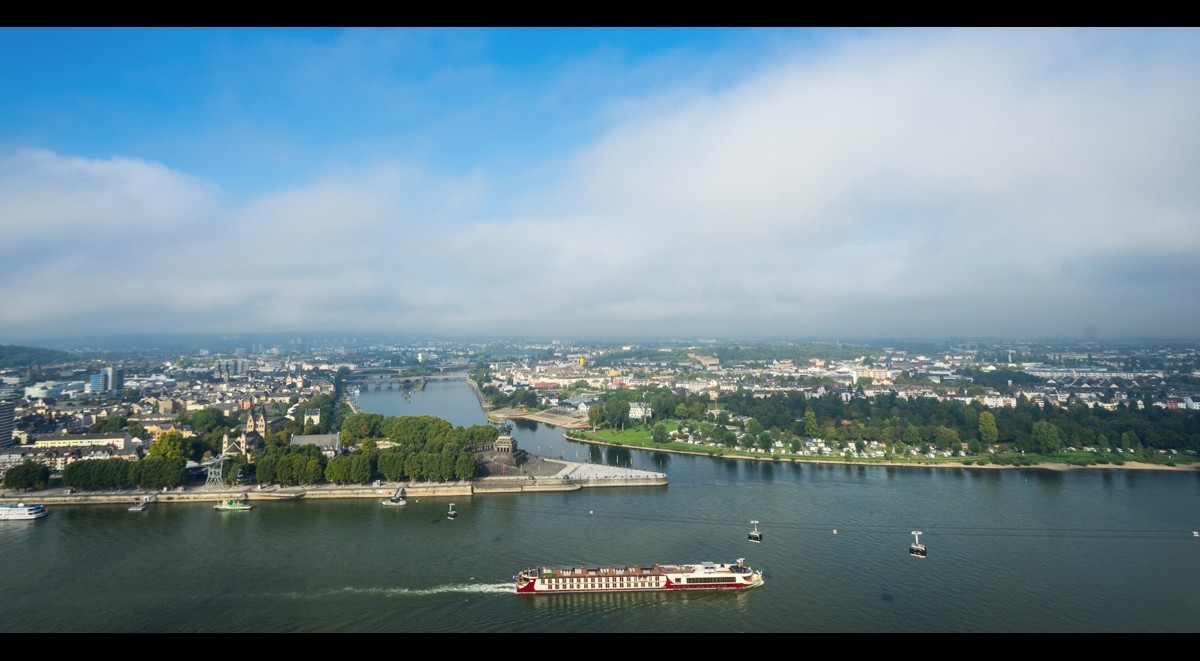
(552, 472)
(544, 467)
(602, 472)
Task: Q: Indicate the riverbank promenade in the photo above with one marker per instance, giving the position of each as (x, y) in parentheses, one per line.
(544, 474)
(603, 472)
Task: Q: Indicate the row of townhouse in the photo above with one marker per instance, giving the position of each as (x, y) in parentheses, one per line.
(57, 453)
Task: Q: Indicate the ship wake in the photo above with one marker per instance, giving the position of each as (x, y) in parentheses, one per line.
(451, 588)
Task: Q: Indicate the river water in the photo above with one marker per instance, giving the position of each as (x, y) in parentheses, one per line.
(1009, 550)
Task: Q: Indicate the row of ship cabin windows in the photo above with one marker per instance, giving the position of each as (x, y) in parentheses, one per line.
(577, 583)
(574, 583)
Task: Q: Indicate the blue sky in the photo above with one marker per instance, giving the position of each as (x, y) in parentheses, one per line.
(600, 182)
(252, 108)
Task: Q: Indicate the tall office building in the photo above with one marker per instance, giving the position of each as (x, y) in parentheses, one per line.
(116, 378)
(98, 382)
(7, 410)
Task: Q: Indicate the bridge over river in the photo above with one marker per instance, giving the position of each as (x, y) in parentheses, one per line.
(393, 379)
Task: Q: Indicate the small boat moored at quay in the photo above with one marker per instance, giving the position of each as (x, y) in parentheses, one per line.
(232, 505)
(21, 512)
(700, 576)
(397, 498)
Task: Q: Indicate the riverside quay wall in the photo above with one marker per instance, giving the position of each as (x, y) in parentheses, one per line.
(572, 477)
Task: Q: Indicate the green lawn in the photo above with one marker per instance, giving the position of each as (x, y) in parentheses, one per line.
(640, 437)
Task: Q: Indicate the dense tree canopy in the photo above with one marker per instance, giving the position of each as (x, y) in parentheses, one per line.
(946, 424)
(1045, 439)
(289, 465)
(27, 475)
(988, 433)
(117, 473)
(423, 448)
(519, 397)
(170, 445)
(13, 355)
(359, 426)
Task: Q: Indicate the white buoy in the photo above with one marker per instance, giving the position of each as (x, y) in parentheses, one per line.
(835, 531)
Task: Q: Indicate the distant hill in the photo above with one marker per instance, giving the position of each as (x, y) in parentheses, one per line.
(12, 355)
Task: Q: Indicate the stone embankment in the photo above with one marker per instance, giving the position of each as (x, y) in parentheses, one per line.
(483, 403)
(599, 475)
(571, 476)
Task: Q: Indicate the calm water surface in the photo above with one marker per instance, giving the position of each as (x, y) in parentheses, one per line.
(1013, 550)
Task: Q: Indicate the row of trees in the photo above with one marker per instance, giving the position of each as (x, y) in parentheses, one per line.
(425, 448)
(401, 464)
(27, 475)
(1044, 439)
(362, 467)
(350, 469)
(888, 418)
(118, 473)
(288, 465)
(923, 422)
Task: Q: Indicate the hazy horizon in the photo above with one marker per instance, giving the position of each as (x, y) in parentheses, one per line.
(223, 343)
(601, 183)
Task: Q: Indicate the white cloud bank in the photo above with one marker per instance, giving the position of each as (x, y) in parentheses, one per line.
(919, 183)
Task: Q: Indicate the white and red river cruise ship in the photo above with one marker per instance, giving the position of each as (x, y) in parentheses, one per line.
(702, 576)
(21, 511)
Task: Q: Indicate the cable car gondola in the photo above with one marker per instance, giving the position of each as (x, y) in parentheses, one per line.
(755, 536)
(917, 549)
(451, 514)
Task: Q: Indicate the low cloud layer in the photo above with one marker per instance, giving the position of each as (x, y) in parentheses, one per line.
(1001, 183)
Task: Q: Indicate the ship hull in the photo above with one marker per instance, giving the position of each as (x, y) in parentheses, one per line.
(22, 512)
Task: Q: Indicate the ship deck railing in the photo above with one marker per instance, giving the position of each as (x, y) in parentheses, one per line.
(552, 572)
